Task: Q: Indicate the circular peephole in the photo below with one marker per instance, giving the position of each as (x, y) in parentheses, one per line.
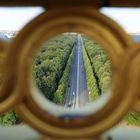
(70, 72)
(61, 105)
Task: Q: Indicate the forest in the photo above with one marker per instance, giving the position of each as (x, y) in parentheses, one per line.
(50, 63)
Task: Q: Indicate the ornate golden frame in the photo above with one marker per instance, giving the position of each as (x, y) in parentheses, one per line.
(16, 89)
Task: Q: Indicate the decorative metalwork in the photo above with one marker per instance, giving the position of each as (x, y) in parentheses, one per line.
(16, 91)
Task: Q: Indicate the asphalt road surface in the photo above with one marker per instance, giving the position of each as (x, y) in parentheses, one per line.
(77, 93)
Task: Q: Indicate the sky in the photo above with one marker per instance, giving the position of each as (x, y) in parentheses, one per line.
(128, 18)
(16, 18)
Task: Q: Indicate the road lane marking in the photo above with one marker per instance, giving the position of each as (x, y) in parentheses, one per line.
(77, 87)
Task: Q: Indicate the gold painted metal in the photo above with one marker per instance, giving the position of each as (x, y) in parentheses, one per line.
(3, 50)
(2, 58)
(136, 106)
(134, 58)
(85, 20)
(7, 101)
(17, 86)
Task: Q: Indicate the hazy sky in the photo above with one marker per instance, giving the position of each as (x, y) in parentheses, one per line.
(129, 18)
(16, 18)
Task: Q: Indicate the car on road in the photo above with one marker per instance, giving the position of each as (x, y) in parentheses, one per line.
(69, 105)
(73, 93)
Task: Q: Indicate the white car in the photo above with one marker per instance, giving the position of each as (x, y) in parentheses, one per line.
(73, 93)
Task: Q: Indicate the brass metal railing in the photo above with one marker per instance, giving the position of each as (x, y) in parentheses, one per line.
(83, 16)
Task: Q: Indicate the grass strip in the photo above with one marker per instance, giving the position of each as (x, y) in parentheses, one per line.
(63, 83)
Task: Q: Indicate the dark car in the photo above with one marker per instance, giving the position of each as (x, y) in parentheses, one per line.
(69, 105)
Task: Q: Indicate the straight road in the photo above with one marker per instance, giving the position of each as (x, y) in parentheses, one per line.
(77, 92)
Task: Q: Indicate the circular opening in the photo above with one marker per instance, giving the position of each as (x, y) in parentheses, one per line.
(43, 114)
(71, 76)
